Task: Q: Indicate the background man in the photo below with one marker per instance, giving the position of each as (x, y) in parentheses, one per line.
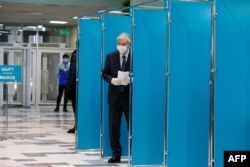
(62, 75)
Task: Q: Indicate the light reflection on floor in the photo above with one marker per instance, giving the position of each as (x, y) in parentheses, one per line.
(37, 137)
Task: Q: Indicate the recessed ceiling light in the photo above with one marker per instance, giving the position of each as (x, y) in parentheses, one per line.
(116, 12)
(30, 12)
(88, 17)
(39, 26)
(76, 17)
(58, 22)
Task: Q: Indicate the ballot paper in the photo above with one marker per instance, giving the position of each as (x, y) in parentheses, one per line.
(122, 75)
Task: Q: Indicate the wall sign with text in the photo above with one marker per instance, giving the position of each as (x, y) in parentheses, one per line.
(10, 73)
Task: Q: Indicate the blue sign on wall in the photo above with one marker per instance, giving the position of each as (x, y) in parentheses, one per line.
(10, 73)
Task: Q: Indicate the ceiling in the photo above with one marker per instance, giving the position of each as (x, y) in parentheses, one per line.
(29, 14)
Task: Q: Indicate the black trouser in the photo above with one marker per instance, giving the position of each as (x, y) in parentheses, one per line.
(115, 116)
(61, 90)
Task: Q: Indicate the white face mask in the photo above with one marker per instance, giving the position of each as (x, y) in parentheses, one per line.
(66, 60)
(122, 49)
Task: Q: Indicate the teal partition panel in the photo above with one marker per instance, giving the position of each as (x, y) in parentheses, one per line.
(113, 26)
(89, 96)
(232, 93)
(148, 101)
(189, 67)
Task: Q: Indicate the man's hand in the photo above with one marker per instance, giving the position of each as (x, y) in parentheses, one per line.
(126, 80)
(116, 81)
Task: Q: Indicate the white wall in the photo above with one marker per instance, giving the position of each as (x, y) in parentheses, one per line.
(73, 37)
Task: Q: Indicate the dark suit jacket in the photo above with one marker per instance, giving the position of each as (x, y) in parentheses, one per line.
(111, 67)
(71, 85)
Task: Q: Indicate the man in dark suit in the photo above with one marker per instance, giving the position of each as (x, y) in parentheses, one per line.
(71, 86)
(118, 92)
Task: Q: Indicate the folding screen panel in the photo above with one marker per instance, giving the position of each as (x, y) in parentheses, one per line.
(89, 101)
(232, 100)
(113, 25)
(148, 99)
(188, 100)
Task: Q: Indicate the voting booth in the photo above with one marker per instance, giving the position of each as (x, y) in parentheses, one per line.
(97, 37)
(149, 89)
(170, 97)
(186, 110)
(113, 23)
(232, 89)
(189, 92)
(89, 83)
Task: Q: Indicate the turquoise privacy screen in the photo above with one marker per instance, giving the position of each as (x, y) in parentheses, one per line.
(232, 100)
(113, 26)
(89, 93)
(188, 105)
(148, 101)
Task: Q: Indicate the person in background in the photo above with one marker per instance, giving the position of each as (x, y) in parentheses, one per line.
(118, 91)
(71, 87)
(62, 75)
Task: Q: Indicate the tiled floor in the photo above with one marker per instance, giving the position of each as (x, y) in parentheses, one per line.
(37, 137)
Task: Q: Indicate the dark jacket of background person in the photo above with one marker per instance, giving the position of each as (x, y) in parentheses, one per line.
(71, 85)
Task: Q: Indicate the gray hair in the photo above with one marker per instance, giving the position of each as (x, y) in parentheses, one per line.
(124, 35)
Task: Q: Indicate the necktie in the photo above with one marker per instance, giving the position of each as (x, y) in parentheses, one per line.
(123, 62)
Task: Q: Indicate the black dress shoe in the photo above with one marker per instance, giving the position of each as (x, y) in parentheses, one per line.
(114, 159)
(65, 110)
(56, 110)
(72, 130)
